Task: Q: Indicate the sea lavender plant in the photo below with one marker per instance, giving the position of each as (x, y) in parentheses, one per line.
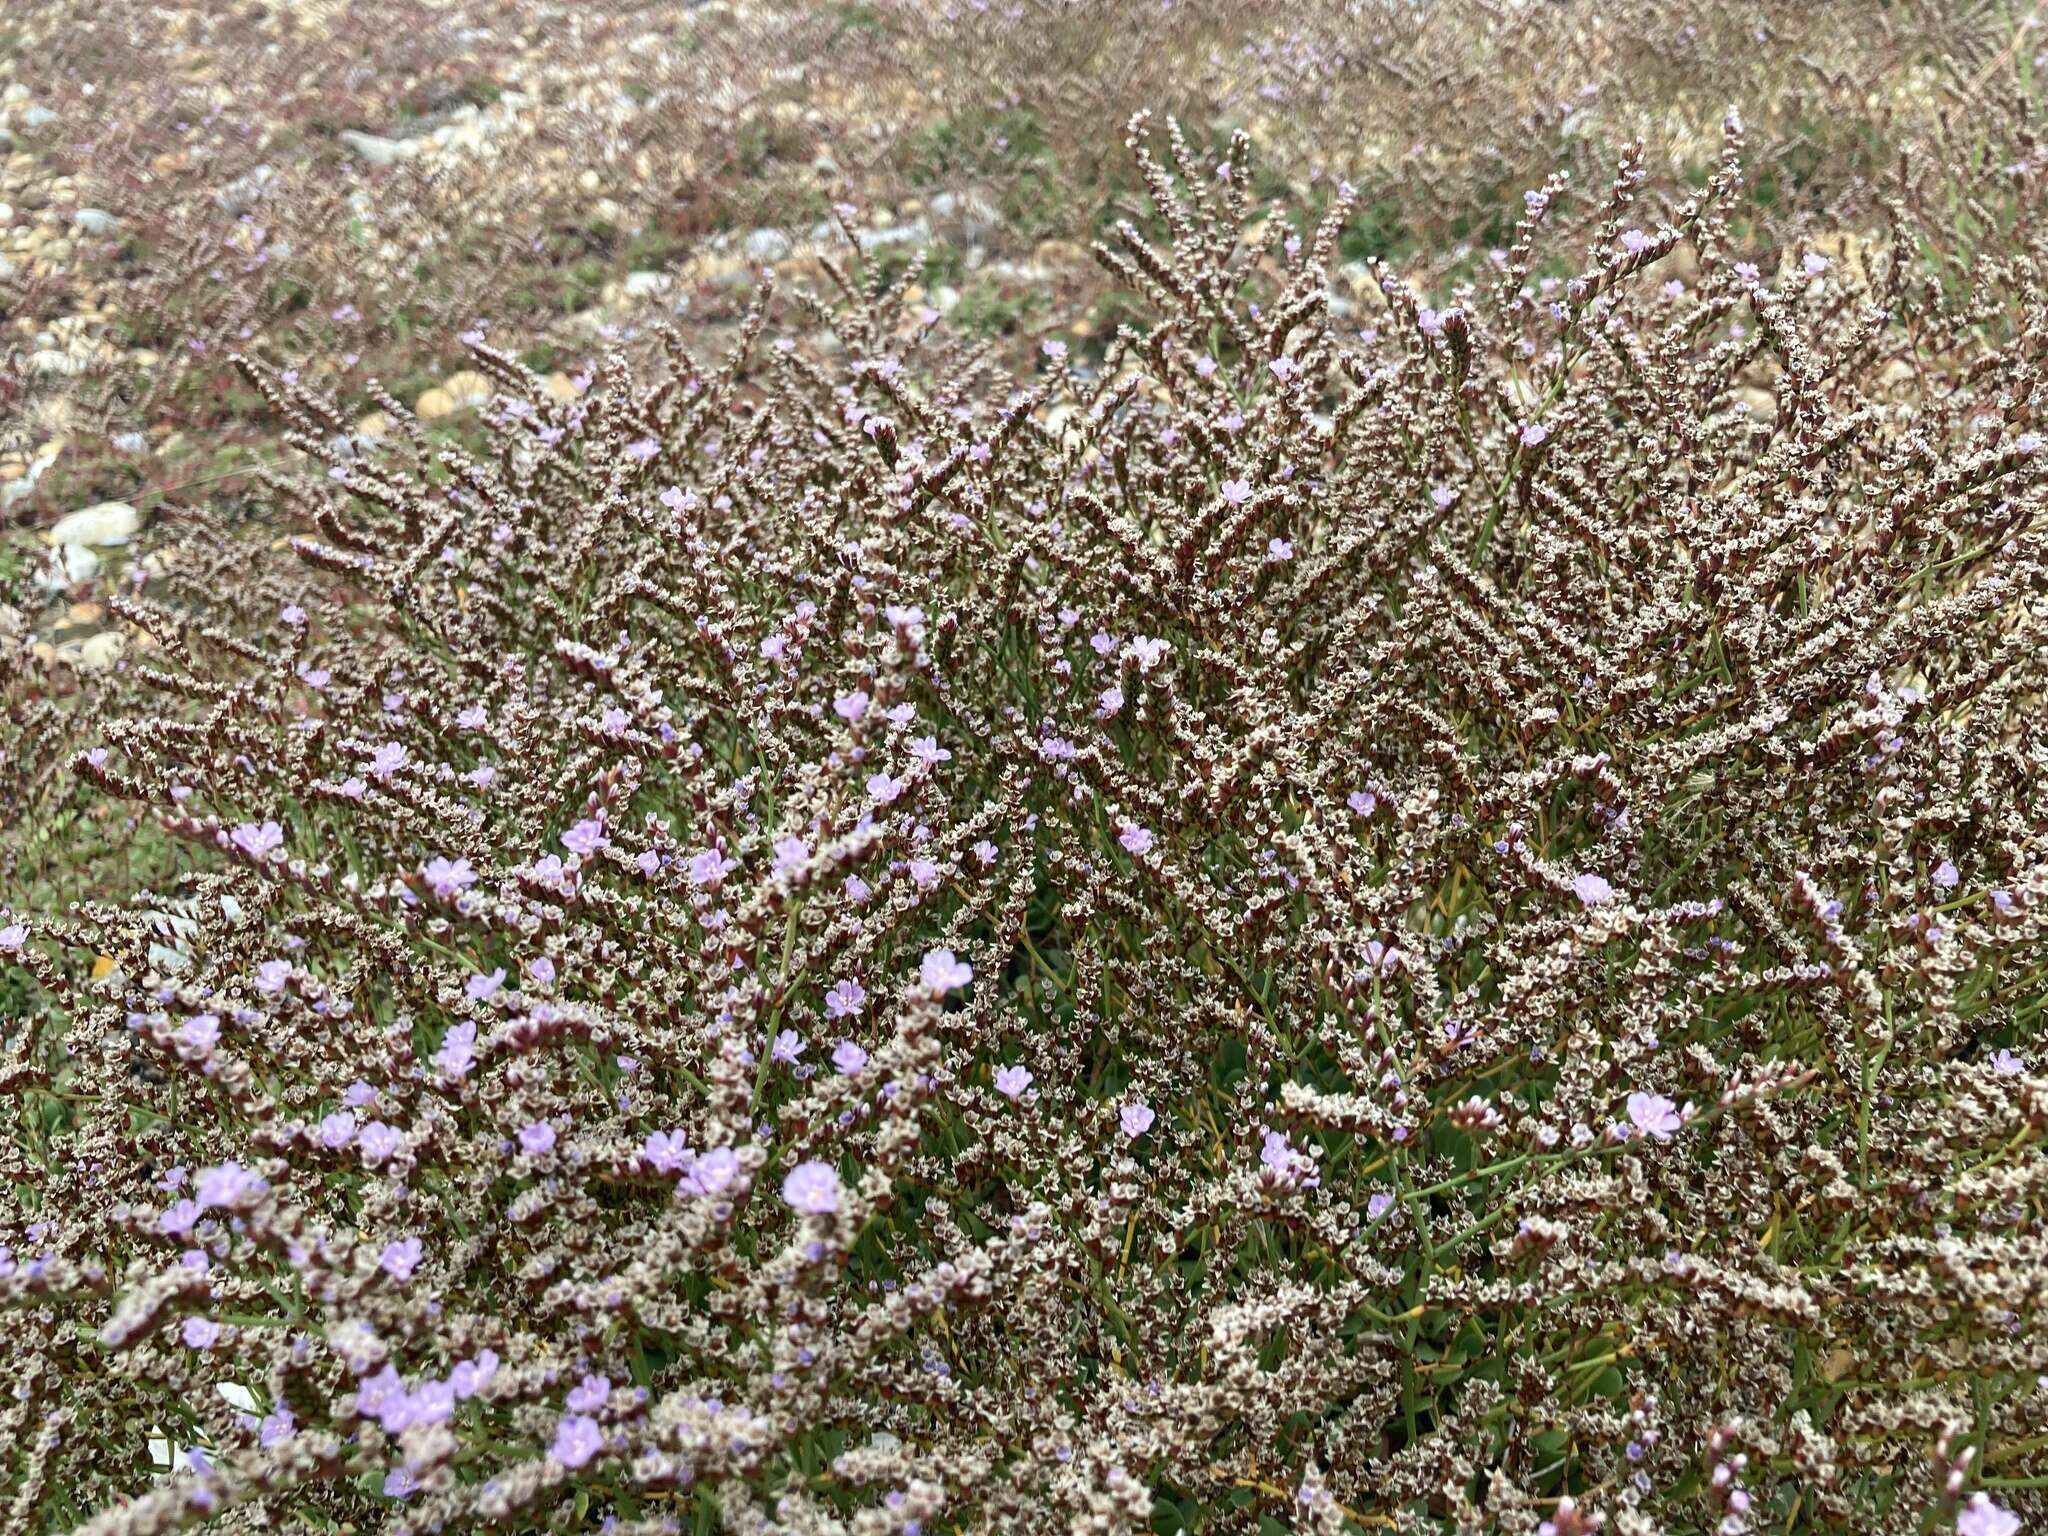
(1435, 927)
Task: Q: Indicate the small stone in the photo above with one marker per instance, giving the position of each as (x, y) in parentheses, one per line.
(377, 150)
(466, 388)
(94, 221)
(970, 211)
(647, 285)
(915, 232)
(244, 192)
(68, 565)
(108, 523)
(764, 245)
(99, 652)
(434, 404)
(50, 363)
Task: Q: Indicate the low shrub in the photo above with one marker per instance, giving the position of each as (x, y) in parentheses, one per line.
(1428, 922)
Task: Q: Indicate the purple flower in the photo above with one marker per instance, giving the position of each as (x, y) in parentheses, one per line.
(812, 1187)
(448, 877)
(1147, 651)
(1136, 1119)
(1134, 838)
(577, 1439)
(259, 842)
(387, 760)
(791, 855)
(271, 976)
(787, 1047)
(707, 867)
(433, 1402)
(848, 1058)
(845, 999)
(640, 450)
(377, 1141)
(13, 937)
(1378, 1205)
(713, 1173)
(229, 1186)
(2008, 1063)
(400, 1258)
(471, 1377)
(1384, 958)
(1012, 1081)
(666, 1151)
(941, 972)
(338, 1130)
(589, 1394)
(884, 788)
(1981, 1517)
(457, 1052)
(1946, 875)
(585, 838)
(200, 1333)
(481, 989)
(1532, 433)
(537, 1139)
(1592, 890)
(1654, 1115)
(1236, 492)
